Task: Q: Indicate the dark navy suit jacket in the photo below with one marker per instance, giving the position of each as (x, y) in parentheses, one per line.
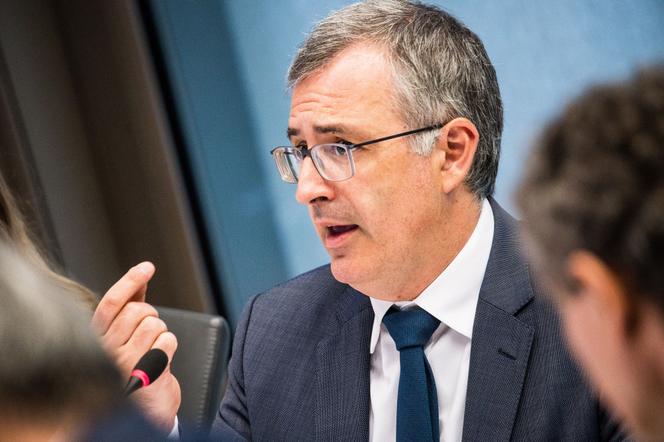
(300, 363)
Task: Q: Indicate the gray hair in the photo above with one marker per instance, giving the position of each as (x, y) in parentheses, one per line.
(52, 365)
(440, 69)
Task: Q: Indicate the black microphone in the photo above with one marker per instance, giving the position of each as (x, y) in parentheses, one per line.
(147, 370)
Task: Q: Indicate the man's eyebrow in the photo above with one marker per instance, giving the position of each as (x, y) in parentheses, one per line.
(331, 129)
(336, 129)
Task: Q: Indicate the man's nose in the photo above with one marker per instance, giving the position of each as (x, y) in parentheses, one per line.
(310, 185)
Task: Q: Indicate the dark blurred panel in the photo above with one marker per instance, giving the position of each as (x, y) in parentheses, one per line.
(18, 168)
(86, 96)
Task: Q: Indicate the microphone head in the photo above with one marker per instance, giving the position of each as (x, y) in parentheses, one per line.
(153, 363)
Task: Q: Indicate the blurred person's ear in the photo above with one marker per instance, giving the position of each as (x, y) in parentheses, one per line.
(603, 292)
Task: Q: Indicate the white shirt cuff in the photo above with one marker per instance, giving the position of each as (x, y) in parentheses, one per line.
(175, 432)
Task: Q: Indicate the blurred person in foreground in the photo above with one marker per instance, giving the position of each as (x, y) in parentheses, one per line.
(593, 206)
(426, 325)
(128, 326)
(56, 381)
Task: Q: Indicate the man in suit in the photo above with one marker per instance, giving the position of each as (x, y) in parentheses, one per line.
(426, 324)
(597, 236)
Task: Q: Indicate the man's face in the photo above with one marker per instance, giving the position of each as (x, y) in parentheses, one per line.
(619, 363)
(594, 345)
(384, 224)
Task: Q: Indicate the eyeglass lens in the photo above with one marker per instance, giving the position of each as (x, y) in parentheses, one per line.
(333, 162)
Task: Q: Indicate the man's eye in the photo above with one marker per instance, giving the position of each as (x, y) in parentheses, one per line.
(342, 147)
(339, 150)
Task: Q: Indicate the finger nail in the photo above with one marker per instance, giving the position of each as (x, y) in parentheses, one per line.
(145, 268)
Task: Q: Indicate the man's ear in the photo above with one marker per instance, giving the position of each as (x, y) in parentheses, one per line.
(456, 147)
(604, 290)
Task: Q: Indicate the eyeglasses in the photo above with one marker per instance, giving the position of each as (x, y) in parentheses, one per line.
(333, 161)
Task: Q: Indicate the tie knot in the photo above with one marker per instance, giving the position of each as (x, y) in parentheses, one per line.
(410, 328)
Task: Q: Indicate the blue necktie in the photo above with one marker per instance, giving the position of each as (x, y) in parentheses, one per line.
(417, 403)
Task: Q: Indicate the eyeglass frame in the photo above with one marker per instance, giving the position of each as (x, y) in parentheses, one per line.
(306, 151)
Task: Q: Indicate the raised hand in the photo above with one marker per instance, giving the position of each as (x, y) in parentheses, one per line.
(129, 327)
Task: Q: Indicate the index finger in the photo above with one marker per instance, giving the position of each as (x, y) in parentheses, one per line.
(131, 287)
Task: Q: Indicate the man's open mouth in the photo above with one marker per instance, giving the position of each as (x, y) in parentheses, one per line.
(340, 230)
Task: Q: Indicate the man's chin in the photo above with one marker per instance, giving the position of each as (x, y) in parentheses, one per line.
(360, 278)
(343, 270)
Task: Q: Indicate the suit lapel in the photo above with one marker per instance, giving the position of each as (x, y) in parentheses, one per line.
(501, 343)
(498, 362)
(342, 373)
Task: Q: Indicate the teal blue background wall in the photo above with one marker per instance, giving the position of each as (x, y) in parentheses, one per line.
(227, 61)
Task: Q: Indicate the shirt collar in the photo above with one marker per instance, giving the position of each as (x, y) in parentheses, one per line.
(452, 296)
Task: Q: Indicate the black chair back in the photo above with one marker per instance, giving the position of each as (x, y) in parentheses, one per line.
(199, 365)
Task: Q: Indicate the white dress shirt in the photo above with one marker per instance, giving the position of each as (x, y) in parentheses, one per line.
(452, 298)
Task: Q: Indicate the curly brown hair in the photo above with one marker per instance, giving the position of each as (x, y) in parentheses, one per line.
(595, 181)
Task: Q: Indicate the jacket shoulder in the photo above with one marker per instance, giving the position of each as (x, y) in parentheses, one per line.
(306, 291)
(304, 304)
